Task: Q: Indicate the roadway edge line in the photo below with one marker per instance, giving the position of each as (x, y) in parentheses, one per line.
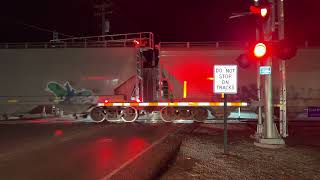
(108, 176)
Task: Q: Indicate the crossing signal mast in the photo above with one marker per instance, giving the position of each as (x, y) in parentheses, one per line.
(262, 52)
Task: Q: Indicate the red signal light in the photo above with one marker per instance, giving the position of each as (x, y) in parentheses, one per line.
(260, 50)
(263, 12)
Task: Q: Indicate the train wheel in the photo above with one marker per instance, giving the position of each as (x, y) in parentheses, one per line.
(129, 114)
(112, 114)
(168, 114)
(185, 114)
(98, 114)
(200, 114)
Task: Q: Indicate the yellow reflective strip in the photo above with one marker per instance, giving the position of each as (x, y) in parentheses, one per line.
(153, 104)
(193, 104)
(117, 104)
(183, 104)
(143, 104)
(163, 104)
(12, 101)
(229, 104)
(173, 104)
(134, 104)
(184, 89)
(126, 104)
(215, 104)
(234, 104)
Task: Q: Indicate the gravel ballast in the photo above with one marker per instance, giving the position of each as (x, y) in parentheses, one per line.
(201, 155)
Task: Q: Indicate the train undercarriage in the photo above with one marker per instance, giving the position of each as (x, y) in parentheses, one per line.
(167, 114)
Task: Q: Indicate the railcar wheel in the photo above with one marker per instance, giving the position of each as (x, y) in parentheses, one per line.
(112, 114)
(129, 114)
(98, 114)
(185, 114)
(168, 114)
(200, 114)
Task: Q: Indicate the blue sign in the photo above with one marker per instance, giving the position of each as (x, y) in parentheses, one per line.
(313, 111)
(264, 70)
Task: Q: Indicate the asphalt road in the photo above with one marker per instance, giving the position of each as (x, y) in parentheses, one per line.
(41, 150)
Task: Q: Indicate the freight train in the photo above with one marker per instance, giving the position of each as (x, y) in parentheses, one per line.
(124, 76)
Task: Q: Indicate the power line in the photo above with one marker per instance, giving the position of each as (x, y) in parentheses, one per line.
(43, 29)
(12, 21)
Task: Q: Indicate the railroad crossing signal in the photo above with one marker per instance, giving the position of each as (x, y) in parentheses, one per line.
(260, 11)
(261, 50)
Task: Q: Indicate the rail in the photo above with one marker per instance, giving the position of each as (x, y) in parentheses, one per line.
(141, 39)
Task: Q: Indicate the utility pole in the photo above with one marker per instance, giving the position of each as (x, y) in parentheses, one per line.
(271, 137)
(104, 10)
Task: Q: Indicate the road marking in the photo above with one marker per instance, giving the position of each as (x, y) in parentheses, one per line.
(108, 176)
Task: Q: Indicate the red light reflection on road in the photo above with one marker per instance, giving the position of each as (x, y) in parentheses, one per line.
(103, 153)
(134, 146)
(38, 121)
(58, 132)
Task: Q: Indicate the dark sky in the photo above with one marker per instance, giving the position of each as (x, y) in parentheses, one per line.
(170, 20)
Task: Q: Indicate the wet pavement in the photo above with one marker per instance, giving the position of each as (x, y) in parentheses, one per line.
(65, 150)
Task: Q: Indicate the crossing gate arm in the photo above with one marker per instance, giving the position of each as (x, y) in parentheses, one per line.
(173, 104)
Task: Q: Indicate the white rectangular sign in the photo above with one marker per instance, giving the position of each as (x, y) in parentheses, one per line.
(225, 79)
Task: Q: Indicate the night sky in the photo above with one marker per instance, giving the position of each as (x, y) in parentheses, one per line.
(170, 20)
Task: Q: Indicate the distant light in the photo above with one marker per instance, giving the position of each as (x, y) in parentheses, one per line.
(210, 78)
(106, 101)
(260, 50)
(138, 100)
(264, 12)
(136, 42)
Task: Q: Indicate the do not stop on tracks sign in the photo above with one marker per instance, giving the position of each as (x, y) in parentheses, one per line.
(226, 82)
(225, 79)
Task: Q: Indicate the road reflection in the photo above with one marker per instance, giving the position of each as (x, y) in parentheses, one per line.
(104, 154)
